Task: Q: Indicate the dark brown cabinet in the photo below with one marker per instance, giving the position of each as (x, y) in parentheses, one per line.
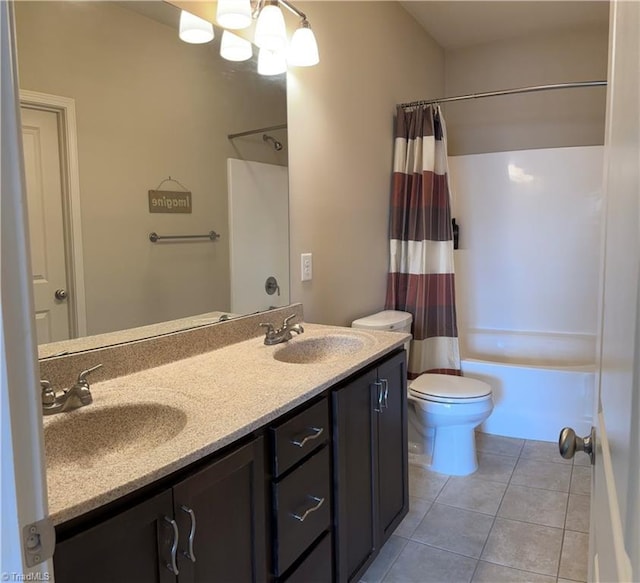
(370, 464)
(208, 527)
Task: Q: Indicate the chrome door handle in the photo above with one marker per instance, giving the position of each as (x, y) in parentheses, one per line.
(173, 565)
(385, 393)
(317, 432)
(569, 443)
(61, 294)
(378, 409)
(192, 533)
(319, 502)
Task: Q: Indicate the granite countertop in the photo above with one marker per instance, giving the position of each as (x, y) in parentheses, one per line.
(198, 405)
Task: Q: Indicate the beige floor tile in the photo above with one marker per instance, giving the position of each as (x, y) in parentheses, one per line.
(472, 494)
(490, 573)
(543, 451)
(581, 480)
(453, 529)
(546, 507)
(497, 444)
(537, 474)
(574, 560)
(424, 483)
(419, 563)
(417, 509)
(388, 554)
(578, 513)
(581, 459)
(529, 547)
(495, 468)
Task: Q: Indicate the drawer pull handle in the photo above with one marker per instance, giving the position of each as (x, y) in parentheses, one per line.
(192, 532)
(317, 432)
(318, 502)
(173, 565)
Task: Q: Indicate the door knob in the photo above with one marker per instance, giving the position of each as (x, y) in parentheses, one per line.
(61, 294)
(569, 443)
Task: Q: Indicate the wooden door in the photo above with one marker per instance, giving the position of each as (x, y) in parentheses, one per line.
(131, 547)
(355, 468)
(393, 453)
(40, 136)
(223, 506)
(615, 500)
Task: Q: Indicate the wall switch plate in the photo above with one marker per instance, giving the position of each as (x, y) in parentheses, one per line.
(306, 266)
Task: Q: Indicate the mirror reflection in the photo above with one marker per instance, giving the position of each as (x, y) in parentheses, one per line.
(126, 132)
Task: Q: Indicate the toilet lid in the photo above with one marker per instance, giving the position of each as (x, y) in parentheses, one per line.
(445, 386)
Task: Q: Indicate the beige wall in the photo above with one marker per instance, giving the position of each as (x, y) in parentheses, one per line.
(341, 112)
(572, 117)
(148, 106)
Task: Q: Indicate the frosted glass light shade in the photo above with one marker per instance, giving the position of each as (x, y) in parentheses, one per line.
(271, 33)
(234, 48)
(234, 14)
(303, 50)
(195, 30)
(271, 62)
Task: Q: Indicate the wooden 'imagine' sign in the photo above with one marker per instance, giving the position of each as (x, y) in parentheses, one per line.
(168, 201)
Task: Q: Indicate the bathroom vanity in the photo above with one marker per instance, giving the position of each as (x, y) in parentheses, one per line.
(290, 464)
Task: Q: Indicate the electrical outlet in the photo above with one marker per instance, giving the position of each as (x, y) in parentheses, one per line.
(306, 267)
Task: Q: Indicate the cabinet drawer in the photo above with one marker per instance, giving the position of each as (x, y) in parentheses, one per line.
(300, 436)
(303, 509)
(316, 568)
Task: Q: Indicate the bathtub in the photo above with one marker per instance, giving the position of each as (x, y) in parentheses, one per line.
(541, 382)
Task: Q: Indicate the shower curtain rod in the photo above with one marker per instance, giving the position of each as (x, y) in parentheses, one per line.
(282, 126)
(531, 89)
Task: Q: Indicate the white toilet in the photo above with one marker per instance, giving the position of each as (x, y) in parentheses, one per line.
(444, 410)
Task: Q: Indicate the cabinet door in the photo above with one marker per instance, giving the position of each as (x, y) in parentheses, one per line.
(355, 433)
(223, 508)
(392, 445)
(131, 547)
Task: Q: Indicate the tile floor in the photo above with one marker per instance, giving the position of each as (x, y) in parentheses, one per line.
(522, 517)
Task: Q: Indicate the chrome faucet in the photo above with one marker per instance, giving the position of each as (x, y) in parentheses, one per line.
(77, 396)
(276, 336)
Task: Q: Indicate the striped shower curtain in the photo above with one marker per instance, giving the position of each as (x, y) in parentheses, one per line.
(421, 279)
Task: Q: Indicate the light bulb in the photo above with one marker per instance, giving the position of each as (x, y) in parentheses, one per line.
(234, 48)
(271, 32)
(234, 14)
(303, 51)
(271, 62)
(195, 30)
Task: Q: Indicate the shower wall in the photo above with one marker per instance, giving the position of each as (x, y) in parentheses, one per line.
(529, 252)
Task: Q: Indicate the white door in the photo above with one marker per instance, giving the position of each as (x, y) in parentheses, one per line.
(40, 137)
(615, 510)
(258, 235)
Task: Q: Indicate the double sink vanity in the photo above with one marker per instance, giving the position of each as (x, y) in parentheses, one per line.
(210, 455)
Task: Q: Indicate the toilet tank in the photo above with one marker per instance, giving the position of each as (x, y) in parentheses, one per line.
(390, 320)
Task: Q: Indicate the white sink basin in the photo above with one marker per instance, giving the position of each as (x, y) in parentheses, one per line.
(319, 349)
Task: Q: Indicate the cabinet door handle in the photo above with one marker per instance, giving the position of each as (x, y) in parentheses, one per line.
(378, 385)
(318, 502)
(317, 432)
(192, 532)
(385, 393)
(173, 565)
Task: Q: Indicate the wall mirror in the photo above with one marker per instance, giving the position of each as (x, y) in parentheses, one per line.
(147, 112)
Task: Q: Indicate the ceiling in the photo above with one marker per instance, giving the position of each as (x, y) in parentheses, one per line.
(457, 24)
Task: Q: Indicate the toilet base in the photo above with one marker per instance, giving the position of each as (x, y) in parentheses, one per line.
(454, 451)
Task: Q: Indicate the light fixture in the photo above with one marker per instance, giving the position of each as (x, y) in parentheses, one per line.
(271, 62)
(303, 51)
(271, 32)
(195, 30)
(234, 48)
(234, 14)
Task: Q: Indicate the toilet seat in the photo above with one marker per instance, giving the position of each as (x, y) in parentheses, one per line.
(441, 388)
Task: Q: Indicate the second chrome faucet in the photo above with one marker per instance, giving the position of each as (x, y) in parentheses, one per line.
(279, 335)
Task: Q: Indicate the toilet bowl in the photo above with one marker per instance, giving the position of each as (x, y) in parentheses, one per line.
(444, 410)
